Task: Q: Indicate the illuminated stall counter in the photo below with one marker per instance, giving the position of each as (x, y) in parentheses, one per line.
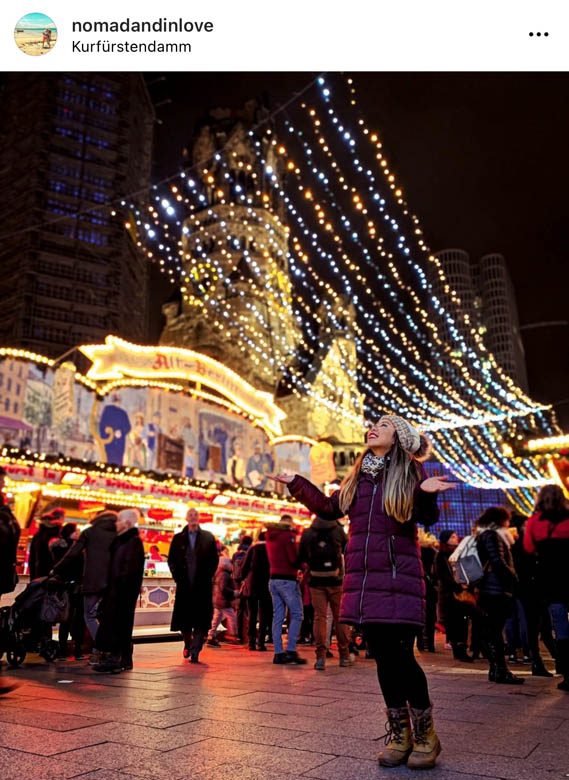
(84, 491)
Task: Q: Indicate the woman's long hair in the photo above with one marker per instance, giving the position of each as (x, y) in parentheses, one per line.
(400, 477)
(551, 499)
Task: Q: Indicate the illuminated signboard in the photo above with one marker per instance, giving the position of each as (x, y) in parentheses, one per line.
(117, 359)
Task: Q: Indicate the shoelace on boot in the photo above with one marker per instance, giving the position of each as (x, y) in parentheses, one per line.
(421, 730)
(393, 732)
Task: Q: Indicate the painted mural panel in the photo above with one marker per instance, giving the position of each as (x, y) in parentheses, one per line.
(146, 428)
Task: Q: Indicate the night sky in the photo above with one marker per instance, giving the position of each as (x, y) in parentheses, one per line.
(483, 160)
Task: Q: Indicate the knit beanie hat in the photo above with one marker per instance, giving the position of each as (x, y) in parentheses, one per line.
(445, 535)
(409, 437)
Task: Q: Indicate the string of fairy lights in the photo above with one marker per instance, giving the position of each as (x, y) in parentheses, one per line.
(274, 264)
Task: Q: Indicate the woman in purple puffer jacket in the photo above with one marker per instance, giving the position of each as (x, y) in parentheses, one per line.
(385, 494)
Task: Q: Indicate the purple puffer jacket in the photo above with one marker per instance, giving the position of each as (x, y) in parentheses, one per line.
(384, 574)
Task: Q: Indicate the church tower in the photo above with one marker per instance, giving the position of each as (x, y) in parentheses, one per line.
(333, 409)
(236, 297)
(236, 300)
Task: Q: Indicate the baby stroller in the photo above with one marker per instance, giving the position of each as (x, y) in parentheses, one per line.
(26, 626)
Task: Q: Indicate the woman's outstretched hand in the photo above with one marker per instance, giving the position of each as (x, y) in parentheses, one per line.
(285, 479)
(437, 484)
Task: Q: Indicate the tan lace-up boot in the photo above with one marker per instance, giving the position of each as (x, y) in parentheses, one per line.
(398, 743)
(426, 745)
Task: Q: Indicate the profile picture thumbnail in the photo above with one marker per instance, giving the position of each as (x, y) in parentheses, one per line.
(35, 34)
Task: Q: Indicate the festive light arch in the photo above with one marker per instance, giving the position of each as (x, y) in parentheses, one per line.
(351, 233)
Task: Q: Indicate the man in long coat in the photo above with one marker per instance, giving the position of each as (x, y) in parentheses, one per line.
(193, 562)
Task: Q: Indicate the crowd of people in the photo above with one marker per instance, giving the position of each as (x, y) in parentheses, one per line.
(384, 582)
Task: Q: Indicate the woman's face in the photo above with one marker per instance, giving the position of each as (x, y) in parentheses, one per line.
(453, 539)
(381, 434)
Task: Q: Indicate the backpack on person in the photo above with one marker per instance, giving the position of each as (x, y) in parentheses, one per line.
(324, 555)
(465, 562)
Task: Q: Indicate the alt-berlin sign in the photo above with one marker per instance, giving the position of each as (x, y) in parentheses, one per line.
(117, 359)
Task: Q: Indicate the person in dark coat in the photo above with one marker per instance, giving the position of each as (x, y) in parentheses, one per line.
(237, 560)
(114, 637)
(426, 637)
(322, 548)
(75, 624)
(193, 562)
(385, 495)
(94, 548)
(547, 536)
(40, 560)
(9, 537)
(255, 588)
(497, 587)
(535, 607)
(451, 611)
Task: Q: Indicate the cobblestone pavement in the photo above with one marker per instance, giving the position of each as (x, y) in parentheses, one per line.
(237, 717)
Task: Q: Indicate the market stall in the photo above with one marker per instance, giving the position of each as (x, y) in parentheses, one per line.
(157, 428)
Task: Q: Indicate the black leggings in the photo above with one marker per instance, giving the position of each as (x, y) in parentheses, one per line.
(401, 679)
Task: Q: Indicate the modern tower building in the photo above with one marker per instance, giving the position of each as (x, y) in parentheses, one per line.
(500, 316)
(483, 294)
(71, 145)
(457, 290)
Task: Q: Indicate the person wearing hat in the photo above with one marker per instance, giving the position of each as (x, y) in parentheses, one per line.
(40, 559)
(385, 495)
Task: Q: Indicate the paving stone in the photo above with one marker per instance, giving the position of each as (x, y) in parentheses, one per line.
(56, 721)
(351, 768)
(111, 755)
(235, 772)
(244, 732)
(269, 758)
(31, 739)
(122, 714)
(15, 765)
(142, 736)
(336, 745)
(505, 768)
(172, 768)
(105, 774)
(283, 708)
(368, 729)
(302, 699)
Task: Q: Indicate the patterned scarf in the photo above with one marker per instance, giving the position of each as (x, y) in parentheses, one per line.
(373, 464)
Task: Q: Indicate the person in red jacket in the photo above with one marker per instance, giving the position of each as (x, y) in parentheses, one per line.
(282, 551)
(547, 536)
